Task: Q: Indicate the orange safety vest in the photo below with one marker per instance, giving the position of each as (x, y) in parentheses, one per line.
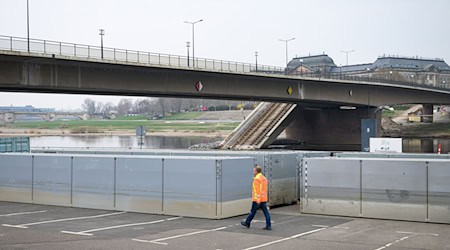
(259, 190)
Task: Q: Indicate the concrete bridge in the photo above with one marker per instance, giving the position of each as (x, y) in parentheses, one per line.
(10, 117)
(328, 111)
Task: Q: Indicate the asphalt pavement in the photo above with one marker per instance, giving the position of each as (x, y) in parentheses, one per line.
(30, 226)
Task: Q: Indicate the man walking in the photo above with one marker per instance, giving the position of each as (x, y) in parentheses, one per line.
(259, 198)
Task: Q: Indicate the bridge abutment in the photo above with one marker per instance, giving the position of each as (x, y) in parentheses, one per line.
(330, 128)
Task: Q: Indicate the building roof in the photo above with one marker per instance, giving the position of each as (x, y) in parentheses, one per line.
(409, 63)
(383, 62)
(311, 61)
(352, 68)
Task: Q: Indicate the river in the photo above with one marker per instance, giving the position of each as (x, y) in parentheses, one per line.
(410, 145)
(149, 142)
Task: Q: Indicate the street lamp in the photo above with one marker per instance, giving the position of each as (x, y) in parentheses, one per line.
(347, 52)
(101, 33)
(193, 42)
(187, 46)
(286, 41)
(256, 59)
(28, 26)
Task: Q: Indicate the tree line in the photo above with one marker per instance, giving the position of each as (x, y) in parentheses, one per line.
(160, 106)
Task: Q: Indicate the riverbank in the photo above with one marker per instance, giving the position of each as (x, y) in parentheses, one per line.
(11, 132)
(398, 125)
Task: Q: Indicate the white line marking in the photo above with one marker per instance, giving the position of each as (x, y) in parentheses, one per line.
(67, 219)
(88, 232)
(174, 218)
(288, 238)
(403, 232)
(76, 233)
(320, 226)
(16, 226)
(157, 241)
(34, 212)
(392, 243)
(149, 241)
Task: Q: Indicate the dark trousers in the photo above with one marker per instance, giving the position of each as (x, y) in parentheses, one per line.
(255, 206)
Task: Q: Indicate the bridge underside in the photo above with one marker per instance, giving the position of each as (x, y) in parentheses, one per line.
(326, 128)
(330, 128)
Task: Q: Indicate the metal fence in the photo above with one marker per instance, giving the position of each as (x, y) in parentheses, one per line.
(15, 144)
(130, 56)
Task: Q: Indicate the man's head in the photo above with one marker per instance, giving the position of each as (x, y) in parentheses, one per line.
(256, 170)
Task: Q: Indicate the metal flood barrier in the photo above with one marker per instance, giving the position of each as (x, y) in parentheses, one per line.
(399, 189)
(15, 144)
(391, 155)
(282, 168)
(204, 187)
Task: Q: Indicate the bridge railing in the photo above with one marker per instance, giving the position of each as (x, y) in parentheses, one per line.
(130, 56)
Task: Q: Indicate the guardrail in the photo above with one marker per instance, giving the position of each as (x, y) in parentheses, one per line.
(149, 58)
(132, 56)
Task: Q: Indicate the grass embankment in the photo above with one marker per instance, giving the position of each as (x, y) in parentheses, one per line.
(130, 123)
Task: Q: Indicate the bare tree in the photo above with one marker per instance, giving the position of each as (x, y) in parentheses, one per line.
(89, 106)
(124, 106)
(108, 108)
(144, 106)
(99, 108)
(162, 106)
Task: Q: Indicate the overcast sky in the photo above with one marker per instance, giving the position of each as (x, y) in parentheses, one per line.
(234, 30)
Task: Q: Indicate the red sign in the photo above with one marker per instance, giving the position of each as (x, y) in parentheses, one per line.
(199, 86)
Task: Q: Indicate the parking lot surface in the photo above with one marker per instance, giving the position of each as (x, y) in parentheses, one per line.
(29, 226)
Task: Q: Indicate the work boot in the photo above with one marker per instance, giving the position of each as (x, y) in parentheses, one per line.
(243, 223)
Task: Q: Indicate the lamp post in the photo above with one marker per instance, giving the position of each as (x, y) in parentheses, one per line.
(28, 26)
(101, 33)
(286, 41)
(346, 54)
(256, 59)
(187, 46)
(193, 40)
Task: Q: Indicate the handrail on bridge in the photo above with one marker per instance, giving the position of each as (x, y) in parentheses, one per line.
(133, 56)
(48, 47)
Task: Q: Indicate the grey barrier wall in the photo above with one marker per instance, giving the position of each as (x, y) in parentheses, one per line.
(391, 155)
(15, 177)
(145, 192)
(282, 168)
(331, 187)
(206, 187)
(52, 180)
(400, 189)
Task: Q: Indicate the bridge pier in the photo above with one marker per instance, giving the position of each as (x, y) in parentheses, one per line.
(427, 115)
(330, 128)
(7, 118)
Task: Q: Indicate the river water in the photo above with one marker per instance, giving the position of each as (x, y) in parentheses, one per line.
(410, 145)
(149, 142)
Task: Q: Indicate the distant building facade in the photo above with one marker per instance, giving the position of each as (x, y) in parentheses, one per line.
(434, 72)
